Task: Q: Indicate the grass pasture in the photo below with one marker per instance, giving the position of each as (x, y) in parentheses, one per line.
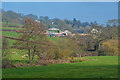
(16, 35)
(10, 34)
(94, 67)
(17, 57)
(11, 28)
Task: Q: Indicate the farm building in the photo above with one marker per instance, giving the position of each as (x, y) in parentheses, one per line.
(53, 32)
(57, 32)
(67, 32)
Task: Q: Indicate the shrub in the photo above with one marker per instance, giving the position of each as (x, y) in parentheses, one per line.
(109, 48)
(71, 59)
(6, 63)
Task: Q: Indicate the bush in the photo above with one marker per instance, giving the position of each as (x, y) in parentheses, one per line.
(72, 59)
(109, 48)
(78, 60)
(6, 63)
(64, 48)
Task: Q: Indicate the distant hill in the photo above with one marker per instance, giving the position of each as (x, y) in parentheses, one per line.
(13, 19)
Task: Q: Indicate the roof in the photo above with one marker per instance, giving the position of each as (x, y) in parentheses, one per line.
(67, 31)
(50, 32)
(53, 29)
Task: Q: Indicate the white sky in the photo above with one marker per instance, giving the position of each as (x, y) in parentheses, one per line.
(59, 0)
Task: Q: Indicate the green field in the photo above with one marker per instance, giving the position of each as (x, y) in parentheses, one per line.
(16, 58)
(10, 34)
(11, 28)
(16, 35)
(94, 67)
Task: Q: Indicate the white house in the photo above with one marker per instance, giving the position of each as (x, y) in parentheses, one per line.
(37, 21)
(67, 32)
(94, 31)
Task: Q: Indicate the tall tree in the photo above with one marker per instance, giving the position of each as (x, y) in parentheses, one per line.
(33, 38)
(74, 22)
